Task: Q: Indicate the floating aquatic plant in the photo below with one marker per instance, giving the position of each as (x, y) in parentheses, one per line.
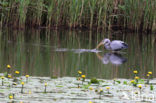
(125, 82)
(94, 80)
(118, 81)
(151, 87)
(86, 86)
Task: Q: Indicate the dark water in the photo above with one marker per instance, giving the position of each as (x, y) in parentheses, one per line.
(63, 53)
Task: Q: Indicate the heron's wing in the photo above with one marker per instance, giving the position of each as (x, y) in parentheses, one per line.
(118, 45)
(125, 45)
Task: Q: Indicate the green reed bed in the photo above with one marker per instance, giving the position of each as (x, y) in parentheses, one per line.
(99, 14)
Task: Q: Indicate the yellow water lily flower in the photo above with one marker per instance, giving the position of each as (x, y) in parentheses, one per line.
(101, 90)
(22, 83)
(2, 77)
(150, 73)
(8, 66)
(83, 76)
(26, 76)
(132, 81)
(140, 86)
(79, 72)
(107, 88)
(136, 77)
(9, 76)
(135, 71)
(17, 72)
(10, 97)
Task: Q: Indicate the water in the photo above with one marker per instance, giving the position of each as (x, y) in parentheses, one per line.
(62, 53)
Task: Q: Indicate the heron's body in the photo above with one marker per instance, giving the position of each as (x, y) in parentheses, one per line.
(115, 45)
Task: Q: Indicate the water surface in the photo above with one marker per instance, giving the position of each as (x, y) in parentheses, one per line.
(62, 53)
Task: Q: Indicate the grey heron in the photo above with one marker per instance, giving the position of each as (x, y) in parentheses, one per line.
(115, 45)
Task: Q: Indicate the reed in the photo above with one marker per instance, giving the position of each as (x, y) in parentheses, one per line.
(138, 15)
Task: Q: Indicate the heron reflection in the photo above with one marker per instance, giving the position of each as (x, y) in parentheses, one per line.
(113, 58)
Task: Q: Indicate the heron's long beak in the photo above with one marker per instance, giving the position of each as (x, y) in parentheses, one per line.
(101, 43)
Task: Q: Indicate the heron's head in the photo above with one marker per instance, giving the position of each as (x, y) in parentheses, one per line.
(103, 42)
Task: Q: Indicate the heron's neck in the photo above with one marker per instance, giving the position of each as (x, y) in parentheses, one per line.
(107, 46)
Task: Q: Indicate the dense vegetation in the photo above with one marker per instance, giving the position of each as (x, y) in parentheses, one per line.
(136, 15)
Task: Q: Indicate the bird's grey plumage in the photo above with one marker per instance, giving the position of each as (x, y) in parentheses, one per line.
(115, 45)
